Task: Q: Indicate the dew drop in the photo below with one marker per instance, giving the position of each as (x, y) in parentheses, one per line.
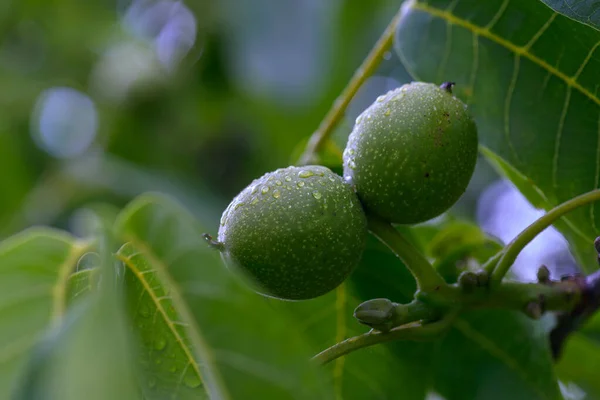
(369, 116)
(380, 99)
(300, 184)
(305, 173)
(278, 182)
(358, 119)
(238, 205)
(264, 190)
(254, 201)
(160, 343)
(351, 164)
(351, 151)
(276, 194)
(288, 178)
(192, 380)
(331, 178)
(254, 189)
(388, 112)
(316, 194)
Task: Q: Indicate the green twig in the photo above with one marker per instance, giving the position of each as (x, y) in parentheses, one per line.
(512, 250)
(335, 114)
(428, 279)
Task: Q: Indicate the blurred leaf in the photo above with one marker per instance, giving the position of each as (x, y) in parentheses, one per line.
(585, 11)
(82, 359)
(579, 364)
(89, 355)
(245, 349)
(530, 78)
(80, 284)
(166, 355)
(34, 267)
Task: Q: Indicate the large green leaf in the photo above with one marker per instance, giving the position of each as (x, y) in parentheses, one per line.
(530, 77)
(585, 11)
(34, 267)
(245, 349)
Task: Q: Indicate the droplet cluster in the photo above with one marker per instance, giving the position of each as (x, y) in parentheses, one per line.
(411, 153)
(297, 231)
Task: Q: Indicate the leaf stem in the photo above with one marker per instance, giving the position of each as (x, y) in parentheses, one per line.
(335, 114)
(428, 279)
(512, 250)
(415, 331)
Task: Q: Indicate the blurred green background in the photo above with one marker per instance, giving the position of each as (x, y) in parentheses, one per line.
(103, 100)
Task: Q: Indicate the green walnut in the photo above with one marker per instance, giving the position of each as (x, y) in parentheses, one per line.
(298, 231)
(412, 153)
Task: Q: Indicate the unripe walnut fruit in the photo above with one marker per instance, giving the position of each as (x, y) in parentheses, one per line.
(412, 153)
(298, 231)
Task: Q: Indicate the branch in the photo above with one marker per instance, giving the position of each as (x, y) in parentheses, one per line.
(428, 279)
(512, 250)
(335, 114)
(570, 321)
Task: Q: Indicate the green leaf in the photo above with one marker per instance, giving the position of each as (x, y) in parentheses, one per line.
(585, 11)
(34, 267)
(579, 363)
(245, 349)
(166, 355)
(529, 76)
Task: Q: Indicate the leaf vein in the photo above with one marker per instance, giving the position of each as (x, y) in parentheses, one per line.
(561, 125)
(507, 105)
(540, 32)
(497, 16)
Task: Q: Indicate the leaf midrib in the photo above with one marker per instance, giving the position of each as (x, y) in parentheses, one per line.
(140, 276)
(194, 329)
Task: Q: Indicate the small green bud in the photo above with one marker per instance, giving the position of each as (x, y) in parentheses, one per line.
(377, 313)
(543, 274)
